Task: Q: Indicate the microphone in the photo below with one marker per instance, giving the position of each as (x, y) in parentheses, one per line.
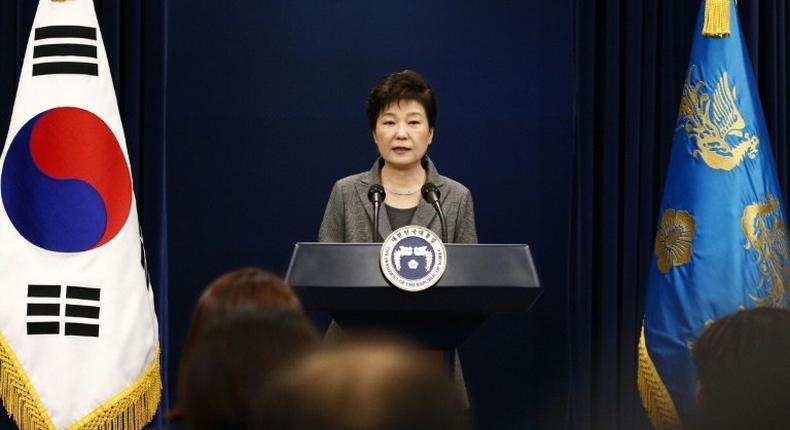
(376, 195)
(431, 195)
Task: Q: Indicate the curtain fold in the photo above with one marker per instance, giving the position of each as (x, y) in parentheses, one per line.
(135, 34)
(631, 60)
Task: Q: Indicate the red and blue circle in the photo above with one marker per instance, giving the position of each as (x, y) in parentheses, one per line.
(65, 182)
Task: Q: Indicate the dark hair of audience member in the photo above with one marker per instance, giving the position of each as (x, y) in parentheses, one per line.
(363, 385)
(743, 365)
(234, 359)
(235, 291)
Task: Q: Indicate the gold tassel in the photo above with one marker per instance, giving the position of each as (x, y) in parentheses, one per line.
(19, 397)
(132, 408)
(654, 394)
(717, 18)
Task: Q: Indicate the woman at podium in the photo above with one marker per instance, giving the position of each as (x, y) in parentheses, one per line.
(401, 114)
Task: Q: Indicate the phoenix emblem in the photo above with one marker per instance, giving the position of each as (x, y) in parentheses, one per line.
(714, 122)
(416, 251)
(766, 234)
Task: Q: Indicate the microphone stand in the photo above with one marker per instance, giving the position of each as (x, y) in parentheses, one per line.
(432, 195)
(376, 209)
(376, 195)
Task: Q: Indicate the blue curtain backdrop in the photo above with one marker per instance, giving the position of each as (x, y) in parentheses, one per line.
(135, 35)
(266, 109)
(631, 60)
(260, 89)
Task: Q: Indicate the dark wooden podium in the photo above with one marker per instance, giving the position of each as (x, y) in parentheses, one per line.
(344, 280)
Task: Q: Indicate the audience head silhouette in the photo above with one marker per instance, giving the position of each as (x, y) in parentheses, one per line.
(234, 359)
(363, 385)
(246, 324)
(743, 365)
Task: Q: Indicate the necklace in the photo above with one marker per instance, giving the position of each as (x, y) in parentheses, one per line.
(403, 194)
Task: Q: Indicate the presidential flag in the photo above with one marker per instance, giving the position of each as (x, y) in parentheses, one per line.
(78, 332)
(721, 243)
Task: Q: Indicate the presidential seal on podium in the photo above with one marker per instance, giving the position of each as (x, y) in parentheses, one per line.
(413, 258)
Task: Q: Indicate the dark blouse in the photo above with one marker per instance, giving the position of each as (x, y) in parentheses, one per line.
(400, 217)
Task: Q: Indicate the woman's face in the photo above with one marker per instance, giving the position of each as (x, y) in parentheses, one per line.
(402, 133)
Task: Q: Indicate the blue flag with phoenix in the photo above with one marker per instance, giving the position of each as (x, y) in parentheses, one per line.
(721, 242)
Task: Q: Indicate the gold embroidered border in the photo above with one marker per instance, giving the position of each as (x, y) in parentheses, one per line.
(132, 408)
(655, 396)
(19, 397)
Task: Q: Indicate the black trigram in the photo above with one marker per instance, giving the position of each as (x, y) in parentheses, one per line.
(80, 302)
(36, 294)
(84, 50)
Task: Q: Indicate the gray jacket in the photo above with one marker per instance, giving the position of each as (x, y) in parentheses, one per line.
(349, 213)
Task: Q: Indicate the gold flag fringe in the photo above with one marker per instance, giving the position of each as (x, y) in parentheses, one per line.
(655, 396)
(18, 395)
(717, 18)
(132, 408)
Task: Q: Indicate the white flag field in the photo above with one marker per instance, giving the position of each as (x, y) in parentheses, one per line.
(79, 345)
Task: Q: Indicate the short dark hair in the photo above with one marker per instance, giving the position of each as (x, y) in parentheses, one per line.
(234, 358)
(240, 289)
(363, 385)
(235, 291)
(397, 86)
(743, 365)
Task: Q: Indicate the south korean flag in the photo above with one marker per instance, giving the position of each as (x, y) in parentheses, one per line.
(79, 344)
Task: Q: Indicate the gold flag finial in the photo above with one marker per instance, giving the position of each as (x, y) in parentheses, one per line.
(717, 18)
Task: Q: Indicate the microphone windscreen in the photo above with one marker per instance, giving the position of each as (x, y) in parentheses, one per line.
(431, 193)
(376, 193)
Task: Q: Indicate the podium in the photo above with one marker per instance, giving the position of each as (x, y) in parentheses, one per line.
(344, 279)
